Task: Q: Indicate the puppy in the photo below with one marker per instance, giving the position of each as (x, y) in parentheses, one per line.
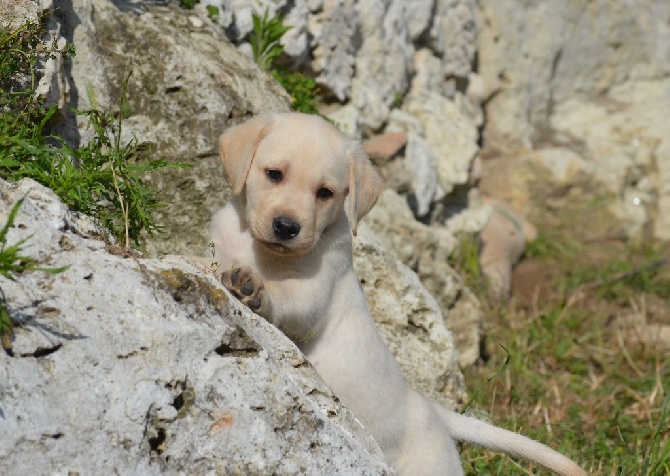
(285, 242)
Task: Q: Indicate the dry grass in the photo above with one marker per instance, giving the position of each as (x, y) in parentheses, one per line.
(588, 373)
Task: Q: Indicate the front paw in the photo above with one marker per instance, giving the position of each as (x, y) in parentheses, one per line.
(246, 286)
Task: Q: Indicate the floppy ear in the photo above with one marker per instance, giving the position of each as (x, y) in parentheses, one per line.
(365, 185)
(237, 147)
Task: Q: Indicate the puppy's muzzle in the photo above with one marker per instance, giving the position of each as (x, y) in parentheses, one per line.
(285, 228)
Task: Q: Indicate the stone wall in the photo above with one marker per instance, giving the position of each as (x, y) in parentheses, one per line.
(576, 101)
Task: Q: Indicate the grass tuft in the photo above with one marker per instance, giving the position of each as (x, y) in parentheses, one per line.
(584, 373)
(13, 263)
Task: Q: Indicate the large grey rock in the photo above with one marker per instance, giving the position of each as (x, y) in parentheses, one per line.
(188, 84)
(129, 365)
(535, 55)
(586, 101)
(607, 158)
(624, 141)
(409, 320)
(392, 232)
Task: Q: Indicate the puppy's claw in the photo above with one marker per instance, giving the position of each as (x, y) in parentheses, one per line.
(233, 276)
(254, 303)
(245, 285)
(247, 288)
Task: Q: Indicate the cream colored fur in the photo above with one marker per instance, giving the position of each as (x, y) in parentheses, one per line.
(304, 283)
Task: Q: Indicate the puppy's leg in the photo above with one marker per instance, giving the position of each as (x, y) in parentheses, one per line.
(248, 287)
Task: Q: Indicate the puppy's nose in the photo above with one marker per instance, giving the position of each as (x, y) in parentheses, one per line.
(285, 228)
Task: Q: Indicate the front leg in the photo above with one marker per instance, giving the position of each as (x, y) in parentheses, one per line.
(248, 287)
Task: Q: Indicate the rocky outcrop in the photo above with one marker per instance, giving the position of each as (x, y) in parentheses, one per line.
(145, 366)
(187, 84)
(424, 249)
(575, 117)
(182, 99)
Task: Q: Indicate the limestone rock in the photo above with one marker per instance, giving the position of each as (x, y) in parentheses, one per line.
(579, 49)
(409, 320)
(335, 30)
(424, 249)
(607, 157)
(422, 164)
(383, 62)
(625, 142)
(453, 35)
(147, 366)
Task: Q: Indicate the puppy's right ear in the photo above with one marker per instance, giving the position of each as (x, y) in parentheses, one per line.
(237, 147)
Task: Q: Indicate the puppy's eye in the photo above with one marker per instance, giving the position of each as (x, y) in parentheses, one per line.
(274, 175)
(324, 193)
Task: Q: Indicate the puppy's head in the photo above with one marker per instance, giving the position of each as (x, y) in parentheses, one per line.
(296, 171)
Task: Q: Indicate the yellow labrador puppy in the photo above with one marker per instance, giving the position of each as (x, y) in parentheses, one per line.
(285, 242)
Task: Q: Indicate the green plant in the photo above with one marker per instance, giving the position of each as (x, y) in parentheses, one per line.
(264, 39)
(266, 48)
(20, 53)
(398, 99)
(12, 262)
(581, 377)
(104, 178)
(213, 13)
(465, 260)
(188, 4)
(120, 198)
(303, 89)
(657, 457)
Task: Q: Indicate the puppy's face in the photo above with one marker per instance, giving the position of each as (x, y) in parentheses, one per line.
(296, 185)
(295, 171)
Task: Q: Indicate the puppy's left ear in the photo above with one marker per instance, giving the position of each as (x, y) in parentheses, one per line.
(365, 185)
(237, 147)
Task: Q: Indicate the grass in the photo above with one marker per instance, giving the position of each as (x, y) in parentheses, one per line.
(578, 377)
(104, 178)
(13, 263)
(266, 48)
(265, 39)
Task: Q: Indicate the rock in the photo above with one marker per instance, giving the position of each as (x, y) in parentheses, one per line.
(384, 146)
(348, 120)
(18, 12)
(188, 84)
(421, 164)
(624, 140)
(606, 158)
(453, 35)
(409, 320)
(335, 30)
(593, 81)
(147, 366)
(578, 50)
(504, 240)
(451, 136)
(426, 250)
(545, 183)
(383, 62)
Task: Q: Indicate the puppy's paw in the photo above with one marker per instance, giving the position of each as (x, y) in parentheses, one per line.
(246, 286)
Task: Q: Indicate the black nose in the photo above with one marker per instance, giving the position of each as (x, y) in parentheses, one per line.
(285, 228)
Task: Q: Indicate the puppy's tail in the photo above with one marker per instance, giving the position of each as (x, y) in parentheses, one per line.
(471, 430)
